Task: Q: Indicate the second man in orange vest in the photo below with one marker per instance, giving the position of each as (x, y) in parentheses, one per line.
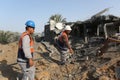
(63, 44)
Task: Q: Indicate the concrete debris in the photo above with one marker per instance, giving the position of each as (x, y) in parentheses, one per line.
(88, 39)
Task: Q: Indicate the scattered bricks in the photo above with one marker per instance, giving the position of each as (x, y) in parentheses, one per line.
(104, 78)
(106, 65)
(117, 71)
(84, 76)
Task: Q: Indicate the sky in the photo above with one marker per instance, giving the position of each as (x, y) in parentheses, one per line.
(14, 13)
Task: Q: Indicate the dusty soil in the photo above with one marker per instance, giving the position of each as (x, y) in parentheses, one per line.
(48, 68)
(9, 69)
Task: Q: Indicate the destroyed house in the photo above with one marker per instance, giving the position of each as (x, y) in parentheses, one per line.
(100, 26)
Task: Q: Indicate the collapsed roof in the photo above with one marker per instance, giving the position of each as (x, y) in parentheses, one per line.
(95, 26)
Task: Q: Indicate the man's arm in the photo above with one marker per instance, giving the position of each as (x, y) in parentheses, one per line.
(26, 49)
(65, 39)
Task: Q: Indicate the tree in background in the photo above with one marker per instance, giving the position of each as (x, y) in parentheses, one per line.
(7, 37)
(57, 18)
(56, 22)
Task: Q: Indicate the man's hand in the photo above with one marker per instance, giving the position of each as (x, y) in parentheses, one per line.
(31, 62)
(71, 51)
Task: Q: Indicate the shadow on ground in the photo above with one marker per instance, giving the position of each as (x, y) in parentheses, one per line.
(46, 56)
(8, 71)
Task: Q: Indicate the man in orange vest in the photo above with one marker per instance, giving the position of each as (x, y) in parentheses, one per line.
(63, 44)
(25, 52)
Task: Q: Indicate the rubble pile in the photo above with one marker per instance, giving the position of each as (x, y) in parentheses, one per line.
(87, 38)
(93, 68)
(48, 67)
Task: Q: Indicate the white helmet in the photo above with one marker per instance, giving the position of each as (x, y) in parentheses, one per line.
(67, 27)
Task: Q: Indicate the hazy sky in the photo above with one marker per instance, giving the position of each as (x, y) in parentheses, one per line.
(14, 13)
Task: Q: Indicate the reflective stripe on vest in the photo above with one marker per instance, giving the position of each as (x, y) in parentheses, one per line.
(31, 41)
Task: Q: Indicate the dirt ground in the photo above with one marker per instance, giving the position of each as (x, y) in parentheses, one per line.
(47, 68)
(9, 69)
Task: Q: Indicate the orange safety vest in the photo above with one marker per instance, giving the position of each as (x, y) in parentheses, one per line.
(31, 41)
